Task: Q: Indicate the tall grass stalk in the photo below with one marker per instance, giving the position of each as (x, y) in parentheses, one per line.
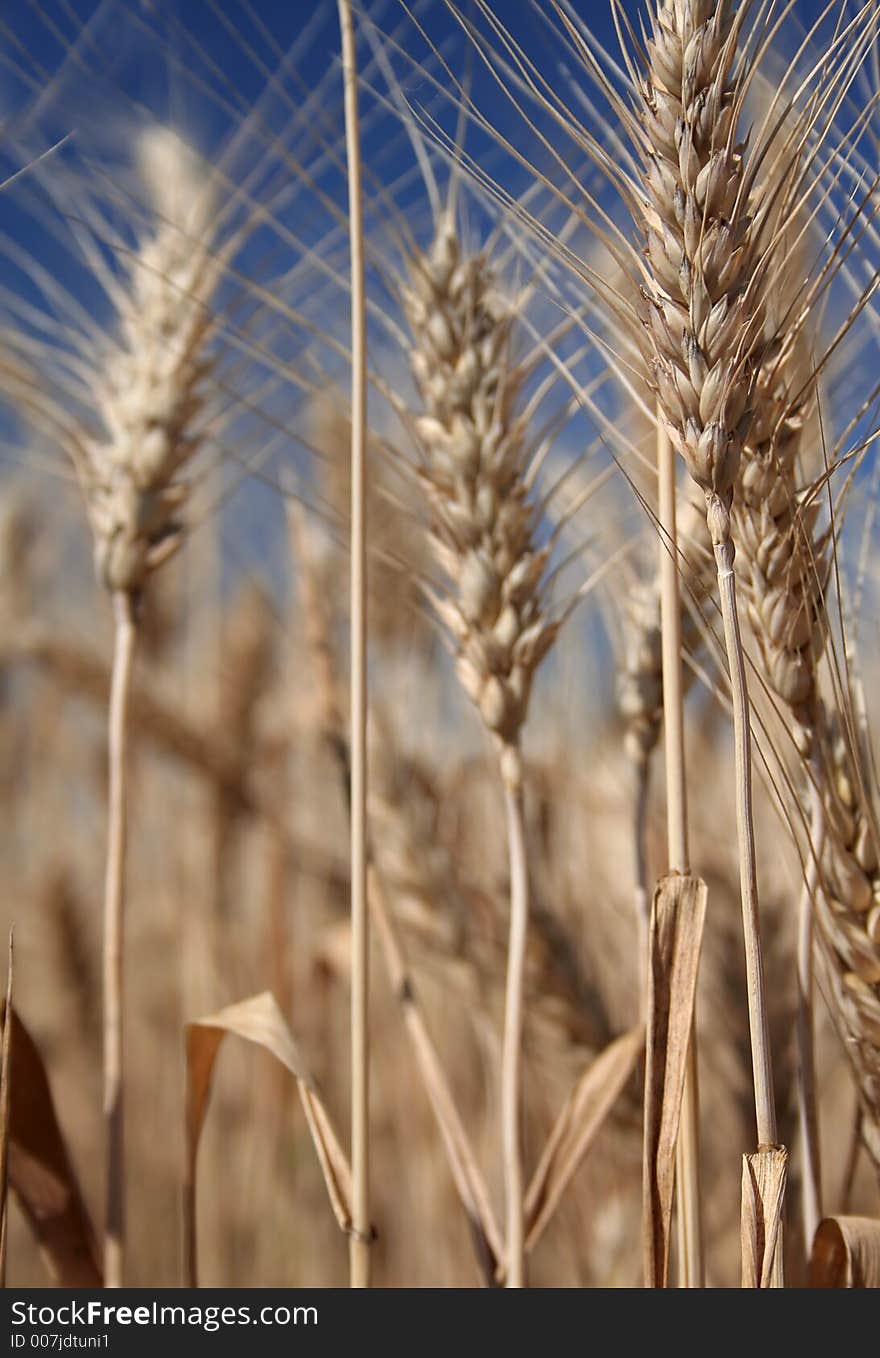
(360, 1145)
(690, 1231)
(702, 332)
(114, 921)
(808, 1119)
(511, 1059)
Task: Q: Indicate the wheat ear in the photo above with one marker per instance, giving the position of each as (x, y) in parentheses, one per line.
(474, 475)
(702, 331)
(847, 915)
(148, 394)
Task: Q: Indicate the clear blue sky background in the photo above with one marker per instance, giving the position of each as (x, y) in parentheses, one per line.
(88, 68)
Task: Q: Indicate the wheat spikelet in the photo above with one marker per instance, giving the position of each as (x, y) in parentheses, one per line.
(786, 555)
(701, 315)
(848, 919)
(784, 552)
(147, 393)
(150, 389)
(474, 476)
(702, 334)
(484, 538)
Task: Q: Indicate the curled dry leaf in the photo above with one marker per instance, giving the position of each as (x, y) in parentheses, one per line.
(677, 918)
(763, 1193)
(41, 1175)
(257, 1020)
(846, 1253)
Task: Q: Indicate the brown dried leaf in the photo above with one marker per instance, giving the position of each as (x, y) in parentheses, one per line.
(576, 1127)
(257, 1020)
(677, 917)
(846, 1253)
(763, 1193)
(40, 1172)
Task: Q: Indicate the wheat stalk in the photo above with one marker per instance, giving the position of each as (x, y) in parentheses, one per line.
(361, 1232)
(639, 676)
(148, 394)
(690, 1224)
(651, 683)
(787, 554)
(785, 566)
(702, 331)
(482, 522)
(396, 852)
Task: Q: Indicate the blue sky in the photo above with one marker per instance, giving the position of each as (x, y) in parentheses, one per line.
(92, 70)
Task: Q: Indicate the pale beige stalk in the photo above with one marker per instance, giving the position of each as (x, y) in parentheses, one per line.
(148, 394)
(114, 981)
(361, 1232)
(463, 1164)
(511, 1056)
(703, 325)
(785, 558)
(690, 1226)
(482, 522)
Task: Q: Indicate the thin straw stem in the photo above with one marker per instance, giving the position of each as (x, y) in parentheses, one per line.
(673, 695)
(640, 873)
(808, 1120)
(690, 1226)
(765, 1111)
(359, 1253)
(511, 1059)
(5, 1108)
(114, 920)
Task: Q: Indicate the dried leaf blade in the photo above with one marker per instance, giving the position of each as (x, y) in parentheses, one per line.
(763, 1194)
(846, 1253)
(41, 1174)
(577, 1126)
(678, 915)
(257, 1020)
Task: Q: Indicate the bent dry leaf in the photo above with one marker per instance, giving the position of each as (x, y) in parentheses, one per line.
(41, 1174)
(763, 1193)
(469, 1181)
(846, 1253)
(576, 1127)
(260, 1021)
(678, 914)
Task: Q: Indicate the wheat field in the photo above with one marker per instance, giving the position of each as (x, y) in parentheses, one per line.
(438, 644)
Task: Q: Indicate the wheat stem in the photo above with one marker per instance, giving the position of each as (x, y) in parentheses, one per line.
(360, 1163)
(811, 1178)
(690, 1227)
(640, 873)
(511, 1059)
(114, 916)
(673, 694)
(765, 1111)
